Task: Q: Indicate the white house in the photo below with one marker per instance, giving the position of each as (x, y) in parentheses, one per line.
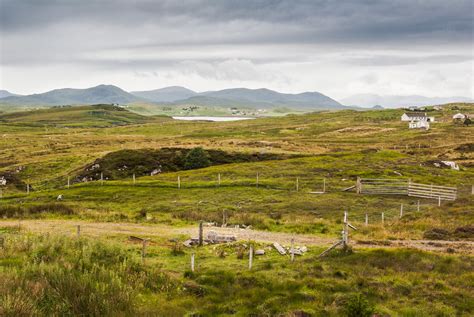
(416, 116)
(419, 125)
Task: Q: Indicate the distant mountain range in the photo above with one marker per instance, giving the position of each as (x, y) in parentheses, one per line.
(393, 101)
(243, 97)
(67, 96)
(236, 97)
(4, 93)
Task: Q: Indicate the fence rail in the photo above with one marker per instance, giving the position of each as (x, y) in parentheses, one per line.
(376, 186)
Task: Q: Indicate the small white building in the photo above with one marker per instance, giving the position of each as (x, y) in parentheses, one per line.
(419, 125)
(416, 116)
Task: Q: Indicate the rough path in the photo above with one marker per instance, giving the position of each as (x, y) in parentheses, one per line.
(68, 227)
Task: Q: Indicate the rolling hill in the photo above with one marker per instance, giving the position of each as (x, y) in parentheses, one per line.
(67, 96)
(101, 115)
(252, 98)
(6, 93)
(167, 94)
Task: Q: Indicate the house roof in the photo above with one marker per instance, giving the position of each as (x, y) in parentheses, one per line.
(416, 114)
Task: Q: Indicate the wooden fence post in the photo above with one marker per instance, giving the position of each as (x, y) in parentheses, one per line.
(345, 231)
(192, 262)
(297, 184)
(68, 181)
(401, 210)
(324, 185)
(134, 179)
(418, 206)
(250, 257)
(179, 182)
(439, 201)
(219, 179)
(144, 243)
(358, 186)
(224, 218)
(258, 179)
(366, 219)
(383, 219)
(292, 250)
(101, 178)
(200, 233)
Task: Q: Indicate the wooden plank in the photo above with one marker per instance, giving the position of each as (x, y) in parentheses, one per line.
(279, 248)
(434, 186)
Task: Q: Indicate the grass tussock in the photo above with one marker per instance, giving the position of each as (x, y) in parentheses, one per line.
(10, 211)
(56, 276)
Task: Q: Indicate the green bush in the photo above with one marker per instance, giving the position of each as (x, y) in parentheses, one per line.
(196, 158)
(358, 306)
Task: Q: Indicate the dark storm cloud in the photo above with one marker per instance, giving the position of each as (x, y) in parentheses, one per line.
(310, 21)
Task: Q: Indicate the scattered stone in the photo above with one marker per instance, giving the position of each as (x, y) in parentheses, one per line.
(188, 243)
(451, 164)
(259, 252)
(213, 237)
(155, 172)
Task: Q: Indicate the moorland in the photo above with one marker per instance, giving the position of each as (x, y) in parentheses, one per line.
(119, 174)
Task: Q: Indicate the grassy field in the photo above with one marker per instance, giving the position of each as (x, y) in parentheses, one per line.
(43, 148)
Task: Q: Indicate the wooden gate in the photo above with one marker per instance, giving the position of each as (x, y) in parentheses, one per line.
(380, 186)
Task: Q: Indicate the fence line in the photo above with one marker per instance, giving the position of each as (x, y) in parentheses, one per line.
(373, 186)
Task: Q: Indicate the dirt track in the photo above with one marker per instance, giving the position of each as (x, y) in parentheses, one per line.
(68, 227)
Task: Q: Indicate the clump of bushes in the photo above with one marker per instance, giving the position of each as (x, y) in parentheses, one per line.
(124, 163)
(9, 211)
(358, 306)
(196, 158)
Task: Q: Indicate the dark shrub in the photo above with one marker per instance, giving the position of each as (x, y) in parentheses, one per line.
(358, 306)
(436, 234)
(51, 207)
(196, 158)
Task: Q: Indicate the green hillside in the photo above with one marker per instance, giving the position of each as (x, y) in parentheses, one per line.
(75, 116)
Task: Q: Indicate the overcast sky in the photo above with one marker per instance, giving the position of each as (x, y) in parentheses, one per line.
(335, 47)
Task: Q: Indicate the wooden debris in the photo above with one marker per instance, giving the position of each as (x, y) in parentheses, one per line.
(136, 239)
(349, 188)
(279, 248)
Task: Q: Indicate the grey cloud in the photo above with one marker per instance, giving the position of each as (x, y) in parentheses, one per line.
(394, 60)
(230, 39)
(308, 21)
